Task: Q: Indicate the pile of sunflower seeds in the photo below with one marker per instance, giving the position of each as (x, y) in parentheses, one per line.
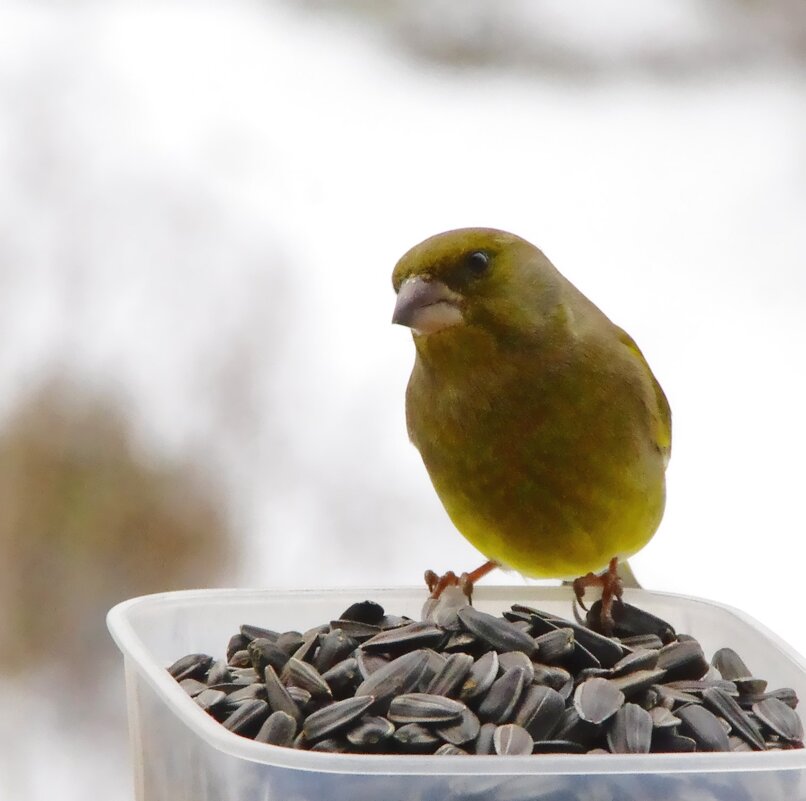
(462, 681)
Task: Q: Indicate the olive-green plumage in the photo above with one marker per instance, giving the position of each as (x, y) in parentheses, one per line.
(543, 430)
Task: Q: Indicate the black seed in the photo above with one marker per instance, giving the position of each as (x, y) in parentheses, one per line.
(630, 731)
(364, 612)
(370, 732)
(424, 708)
(405, 638)
(192, 666)
(279, 728)
(263, 652)
(597, 699)
(780, 719)
(258, 632)
(511, 739)
(335, 717)
(722, 704)
(247, 718)
(682, 660)
(704, 728)
(334, 646)
(502, 698)
(400, 676)
(414, 738)
(497, 632)
(465, 730)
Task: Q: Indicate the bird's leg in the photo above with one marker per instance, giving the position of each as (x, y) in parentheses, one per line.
(612, 589)
(436, 584)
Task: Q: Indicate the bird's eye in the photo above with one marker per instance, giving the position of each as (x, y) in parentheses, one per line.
(478, 261)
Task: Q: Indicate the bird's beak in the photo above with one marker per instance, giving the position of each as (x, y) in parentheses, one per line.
(426, 306)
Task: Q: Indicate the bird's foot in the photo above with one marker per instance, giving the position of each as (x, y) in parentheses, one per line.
(437, 584)
(612, 590)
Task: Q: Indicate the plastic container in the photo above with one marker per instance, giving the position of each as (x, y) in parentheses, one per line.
(182, 753)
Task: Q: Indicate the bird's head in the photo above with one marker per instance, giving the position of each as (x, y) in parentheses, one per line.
(474, 278)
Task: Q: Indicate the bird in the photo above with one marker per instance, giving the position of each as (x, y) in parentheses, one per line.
(542, 428)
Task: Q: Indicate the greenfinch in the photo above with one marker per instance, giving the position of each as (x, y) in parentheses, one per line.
(543, 430)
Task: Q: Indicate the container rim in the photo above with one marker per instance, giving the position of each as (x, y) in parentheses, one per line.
(137, 655)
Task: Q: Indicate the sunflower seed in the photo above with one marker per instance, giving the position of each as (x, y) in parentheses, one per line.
(464, 730)
(364, 612)
(241, 659)
(219, 673)
(481, 677)
(305, 676)
(209, 699)
(263, 652)
(539, 711)
(558, 747)
(704, 728)
(496, 632)
(308, 647)
(450, 750)
(404, 639)
(730, 665)
(343, 678)
(699, 686)
(551, 675)
(780, 719)
(192, 666)
(258, 632)
(398, 677)
(330, 745)
(237, 642)
(484, 740)
(278, 696)
(279, 728)
(247, 717)
(370, 732)
(416, 738)
(511, 739)
(636, 682)
(597, 699)
(510, 659)
(333, 647)
(554, 646)
(785, 694)
(501, 699)
(368, 663)
(335, 717)
(192, 687)
(451, 676)
(630, 731)
(722, 704)
(663, 718)
(666, 741)
(355, 629)
(605, 649)
(631, 621)
(646, 641)
(424, 708)
(641, 659)
(247, 693)
(682, 660)
(573, 727)
(303, 699)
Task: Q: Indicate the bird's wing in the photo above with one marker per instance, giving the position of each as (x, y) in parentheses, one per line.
(663, 418)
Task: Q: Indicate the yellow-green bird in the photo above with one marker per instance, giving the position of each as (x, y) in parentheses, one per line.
(543, 429)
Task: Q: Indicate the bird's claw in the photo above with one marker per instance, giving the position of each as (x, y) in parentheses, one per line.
(436, 584)
(612, 590)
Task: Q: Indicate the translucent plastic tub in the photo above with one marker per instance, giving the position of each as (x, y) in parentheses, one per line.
(182, 754)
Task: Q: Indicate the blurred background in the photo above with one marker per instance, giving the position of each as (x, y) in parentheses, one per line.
(200, 208)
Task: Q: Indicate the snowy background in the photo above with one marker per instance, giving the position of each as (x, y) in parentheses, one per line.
(200, 208)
